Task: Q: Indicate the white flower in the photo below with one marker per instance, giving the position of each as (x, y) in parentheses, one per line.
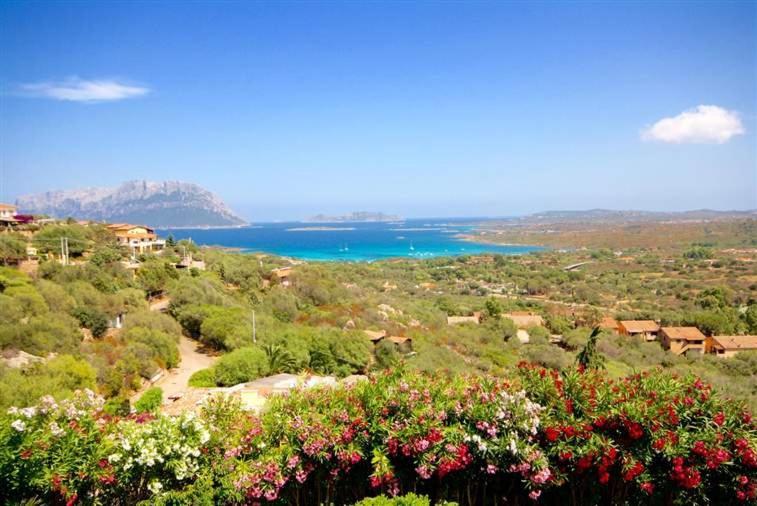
(13, 410)
(513, 447)
(19, 425)
(29, 412)
(56, 430)
(155, 486)
(116, 457)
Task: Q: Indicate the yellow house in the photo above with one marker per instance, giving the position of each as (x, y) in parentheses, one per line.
(7, 213)
(680, 340)
(728, 346)
(138, 238)
(646, 329)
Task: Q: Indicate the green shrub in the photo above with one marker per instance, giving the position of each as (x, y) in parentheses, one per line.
(117, 406)
(226, 328)
(150, 401)
(204, 378)
(241, 365)
(93, 319)
(163, 346)
(405, 500)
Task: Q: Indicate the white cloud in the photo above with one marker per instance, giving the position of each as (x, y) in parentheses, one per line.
(703, 124)
(75, 89)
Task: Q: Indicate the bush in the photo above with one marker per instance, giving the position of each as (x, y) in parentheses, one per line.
(240, 366)
(12, 249)
(226, 328)
(163, 346)
(405, 500)
(566, 439)
(117, 406)
(41, 335)
(204, 378)
(150, 401)
(92, 319)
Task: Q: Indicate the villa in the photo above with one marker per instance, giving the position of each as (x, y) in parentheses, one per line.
(282, 275)
(728, 346)
(138, 238)
(680, 340)
(7, 214)
(646, 329)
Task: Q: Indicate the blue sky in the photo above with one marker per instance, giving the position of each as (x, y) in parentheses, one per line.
(418, 108)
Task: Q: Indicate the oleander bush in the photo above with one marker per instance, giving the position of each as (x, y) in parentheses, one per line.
(538, 437)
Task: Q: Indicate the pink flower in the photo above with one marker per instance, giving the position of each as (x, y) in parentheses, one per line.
(542, 476)
(534, 495)
(424, 472)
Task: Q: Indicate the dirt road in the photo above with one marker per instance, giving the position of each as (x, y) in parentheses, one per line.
(175, 381)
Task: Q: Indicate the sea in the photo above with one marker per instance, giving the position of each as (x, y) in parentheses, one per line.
(343, 241)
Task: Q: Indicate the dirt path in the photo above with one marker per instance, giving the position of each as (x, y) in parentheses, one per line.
(175, 381)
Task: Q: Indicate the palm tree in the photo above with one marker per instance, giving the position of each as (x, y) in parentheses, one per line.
(279, 359)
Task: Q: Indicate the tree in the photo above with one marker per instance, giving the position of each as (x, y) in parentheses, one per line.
(387, 355)
(493, 308)
(92, 319)
(750, 318)
(48, 240)
(12, 249)
(153, 276)
(106, 255)
(589, 357)
(226, 328)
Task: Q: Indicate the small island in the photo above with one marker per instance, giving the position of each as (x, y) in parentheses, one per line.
(320, 229)
(357, 217)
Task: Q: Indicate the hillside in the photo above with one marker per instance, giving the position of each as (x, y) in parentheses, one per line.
(159, 204)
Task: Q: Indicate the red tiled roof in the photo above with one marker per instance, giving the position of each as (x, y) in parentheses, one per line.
(639, 326)
(736, 342)
(685, 333)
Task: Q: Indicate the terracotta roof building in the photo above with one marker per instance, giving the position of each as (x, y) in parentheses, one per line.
(647, 329)
(138, 238)
(7, 213)
(728, 346)
(375, 335)
(680, 340)
(609, 323)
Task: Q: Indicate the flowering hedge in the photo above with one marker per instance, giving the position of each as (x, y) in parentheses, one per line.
(539, 437)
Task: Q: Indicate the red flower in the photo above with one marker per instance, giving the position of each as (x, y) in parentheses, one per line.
(634, 471)
(551, 433)
(719, 419)
(569, 405)
(604, 477)
(647, 487)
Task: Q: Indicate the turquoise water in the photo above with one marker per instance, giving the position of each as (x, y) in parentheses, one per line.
(350, 241)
